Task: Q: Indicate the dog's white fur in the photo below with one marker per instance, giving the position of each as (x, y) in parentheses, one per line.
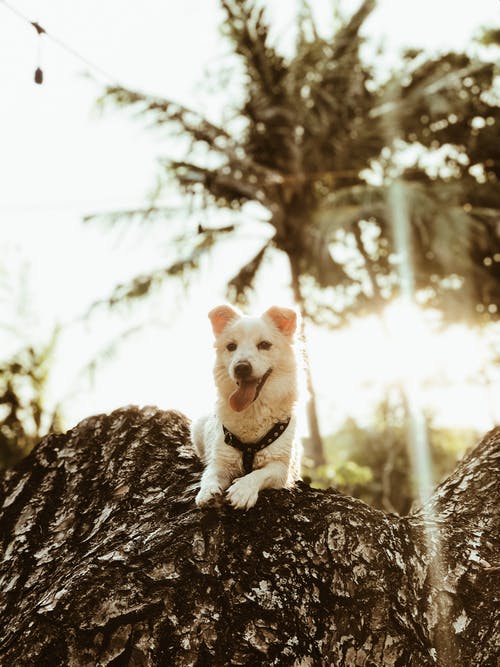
(277, 465)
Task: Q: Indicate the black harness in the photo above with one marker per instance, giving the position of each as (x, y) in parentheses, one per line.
(250, 449)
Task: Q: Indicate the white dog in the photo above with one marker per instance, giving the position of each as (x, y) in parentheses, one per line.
(249, 443)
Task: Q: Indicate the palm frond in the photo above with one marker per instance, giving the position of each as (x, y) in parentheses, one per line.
(242, 283)
(167, 112)
(248, 31)
(225, 185)
(180, 269)
(139, 215)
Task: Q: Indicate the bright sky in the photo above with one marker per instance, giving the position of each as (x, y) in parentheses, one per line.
(60, 160)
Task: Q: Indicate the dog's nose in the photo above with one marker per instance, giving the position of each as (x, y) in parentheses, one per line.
(243, 370)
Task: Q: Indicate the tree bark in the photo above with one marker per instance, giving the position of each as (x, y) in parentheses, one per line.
(314, 448)
(107, 561)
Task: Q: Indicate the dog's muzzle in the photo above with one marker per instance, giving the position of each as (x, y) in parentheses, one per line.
(248, 390)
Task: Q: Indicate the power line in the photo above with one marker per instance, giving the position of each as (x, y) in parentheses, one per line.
(41, 31)
(45, 207)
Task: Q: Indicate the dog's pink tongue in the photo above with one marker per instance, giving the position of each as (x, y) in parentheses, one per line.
(243, 396)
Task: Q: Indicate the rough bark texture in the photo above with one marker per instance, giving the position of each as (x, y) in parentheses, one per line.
(107, 561)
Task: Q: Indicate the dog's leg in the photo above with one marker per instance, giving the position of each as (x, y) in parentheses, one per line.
(197, 436)
(213, 483)
(244, 491)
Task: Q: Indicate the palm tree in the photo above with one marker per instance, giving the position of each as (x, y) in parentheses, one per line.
(323, 147)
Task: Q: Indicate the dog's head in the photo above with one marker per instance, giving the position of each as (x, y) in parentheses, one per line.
(255, 355)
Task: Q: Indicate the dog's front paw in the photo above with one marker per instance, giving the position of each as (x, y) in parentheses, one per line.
(243, 493)
(209, 493)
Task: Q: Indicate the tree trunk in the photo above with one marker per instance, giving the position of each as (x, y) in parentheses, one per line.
(314, 446)
(107, 561)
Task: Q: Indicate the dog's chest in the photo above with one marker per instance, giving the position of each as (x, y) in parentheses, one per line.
(265, 456)
(279, 450)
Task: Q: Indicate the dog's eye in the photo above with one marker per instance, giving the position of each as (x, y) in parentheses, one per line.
(264, 345)
(231, 347)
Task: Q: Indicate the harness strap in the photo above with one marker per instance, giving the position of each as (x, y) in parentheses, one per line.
(250, 449)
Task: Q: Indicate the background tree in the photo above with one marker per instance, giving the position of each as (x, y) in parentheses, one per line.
(372, 462)
(25, 366)
(321, 143)
(28, 355)
(24, 415)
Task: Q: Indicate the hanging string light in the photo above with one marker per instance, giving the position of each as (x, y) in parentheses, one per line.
(41, 32)
(39, 72)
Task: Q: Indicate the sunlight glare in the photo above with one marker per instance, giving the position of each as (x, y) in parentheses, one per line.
(410, 348)
(416, 347)
(413, 345)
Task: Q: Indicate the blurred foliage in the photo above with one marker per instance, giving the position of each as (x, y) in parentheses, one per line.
(26, 414)
(335, 153)
(374, 464)
(490, 37)
(24, 417)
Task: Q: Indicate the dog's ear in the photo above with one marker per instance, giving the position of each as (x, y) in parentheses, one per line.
(220, 318)
(285, 319)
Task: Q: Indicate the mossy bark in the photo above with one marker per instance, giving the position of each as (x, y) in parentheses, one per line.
(107, 561)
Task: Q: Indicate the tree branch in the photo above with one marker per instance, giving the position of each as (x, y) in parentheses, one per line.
(106, 559)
